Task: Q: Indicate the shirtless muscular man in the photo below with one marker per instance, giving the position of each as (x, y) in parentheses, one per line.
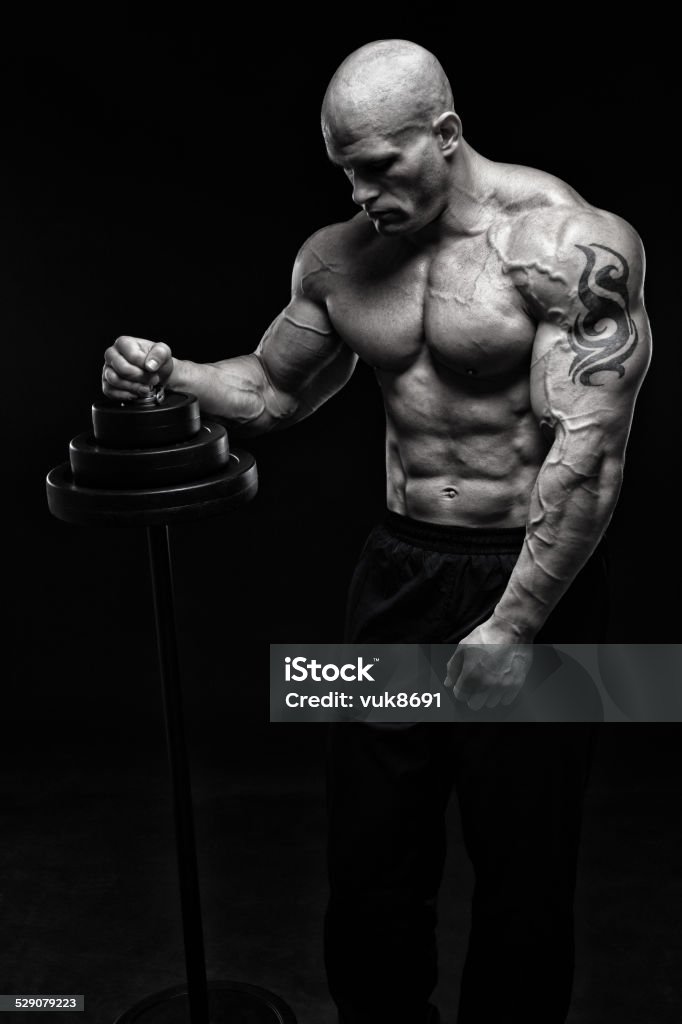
(504, 319)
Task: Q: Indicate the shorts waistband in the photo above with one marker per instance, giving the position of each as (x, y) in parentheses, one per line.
(455, 539)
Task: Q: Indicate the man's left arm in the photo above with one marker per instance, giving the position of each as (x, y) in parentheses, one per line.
(591, 351)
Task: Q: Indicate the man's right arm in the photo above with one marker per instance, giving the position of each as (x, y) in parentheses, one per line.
(299, 363)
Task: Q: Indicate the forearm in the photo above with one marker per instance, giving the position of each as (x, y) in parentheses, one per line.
(570, 508)
(237, 391)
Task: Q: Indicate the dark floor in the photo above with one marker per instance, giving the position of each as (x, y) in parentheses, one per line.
(89, 900)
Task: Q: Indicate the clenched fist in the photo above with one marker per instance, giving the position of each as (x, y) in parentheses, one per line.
(133, 365)
(486, 669)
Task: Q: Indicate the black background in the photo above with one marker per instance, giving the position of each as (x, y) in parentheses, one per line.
(159, 174)
(159, 178)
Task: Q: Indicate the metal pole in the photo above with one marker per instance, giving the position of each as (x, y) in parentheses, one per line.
(162, 584)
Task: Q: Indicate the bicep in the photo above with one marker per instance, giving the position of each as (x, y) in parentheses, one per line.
(301, 343)
(302, 356)
(592, 350)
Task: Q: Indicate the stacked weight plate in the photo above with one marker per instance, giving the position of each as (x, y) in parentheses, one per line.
(149, 462)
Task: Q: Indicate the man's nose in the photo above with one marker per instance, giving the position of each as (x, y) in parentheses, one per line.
(363, 191)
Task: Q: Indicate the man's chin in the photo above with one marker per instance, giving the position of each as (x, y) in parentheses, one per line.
(391, 225)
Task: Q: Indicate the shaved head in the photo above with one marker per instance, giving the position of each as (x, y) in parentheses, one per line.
(388, 122)
(386, 87)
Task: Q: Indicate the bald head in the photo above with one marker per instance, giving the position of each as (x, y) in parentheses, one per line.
(386, 87)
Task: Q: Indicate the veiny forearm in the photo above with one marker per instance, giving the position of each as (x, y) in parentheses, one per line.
(237, 391)
(572, 502)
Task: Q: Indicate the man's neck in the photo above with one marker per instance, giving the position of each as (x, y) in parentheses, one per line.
(469, 209)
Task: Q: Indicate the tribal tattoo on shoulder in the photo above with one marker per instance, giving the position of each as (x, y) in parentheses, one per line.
(606, 335)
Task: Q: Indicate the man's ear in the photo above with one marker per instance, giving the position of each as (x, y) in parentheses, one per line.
(448, 128)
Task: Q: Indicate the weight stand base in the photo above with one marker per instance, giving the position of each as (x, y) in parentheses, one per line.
(230, 1002)
(234, 484)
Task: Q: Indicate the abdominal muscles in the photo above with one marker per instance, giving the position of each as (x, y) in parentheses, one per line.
(460, 451)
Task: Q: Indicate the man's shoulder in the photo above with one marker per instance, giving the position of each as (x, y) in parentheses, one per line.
(545, 219)
(559, 251)
(328, 252)
(337, 241)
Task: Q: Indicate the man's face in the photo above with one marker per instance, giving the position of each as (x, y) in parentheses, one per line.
(399, 181)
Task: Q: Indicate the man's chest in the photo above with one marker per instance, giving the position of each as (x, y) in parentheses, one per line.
(458, 303)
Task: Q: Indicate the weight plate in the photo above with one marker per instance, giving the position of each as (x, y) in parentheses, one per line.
(233, 485)
(146, 424)
(94, 465)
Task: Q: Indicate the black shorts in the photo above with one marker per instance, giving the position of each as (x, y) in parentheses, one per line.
(418, 582)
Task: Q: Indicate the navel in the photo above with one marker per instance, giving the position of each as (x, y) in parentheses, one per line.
(449, 492)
